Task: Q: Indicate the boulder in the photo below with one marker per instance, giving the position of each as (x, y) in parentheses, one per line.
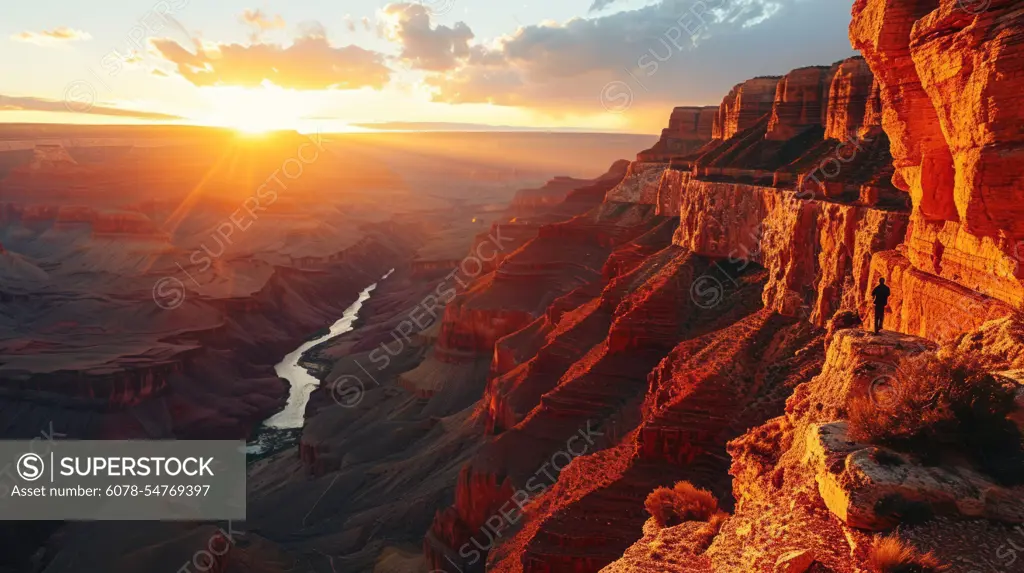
(874, 488)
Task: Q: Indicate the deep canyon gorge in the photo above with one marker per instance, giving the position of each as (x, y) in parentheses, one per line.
(535, 362)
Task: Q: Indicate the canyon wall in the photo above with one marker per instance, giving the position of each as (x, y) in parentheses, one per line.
(688, 129)
(810, 190)
(949, 83)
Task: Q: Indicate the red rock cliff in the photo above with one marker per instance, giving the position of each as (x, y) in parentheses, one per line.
(688, 129)
(744, 106)
(949, 84)
(800, 102)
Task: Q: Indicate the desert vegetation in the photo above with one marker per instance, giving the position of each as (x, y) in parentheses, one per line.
(938, 404)
(683, 502)
(891, 555)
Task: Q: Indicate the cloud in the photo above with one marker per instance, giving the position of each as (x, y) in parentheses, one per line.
(309, 63)
(673, 52)
(10, 103)
(261, 22)
(51, 37)
(599, 5)
(426, 47)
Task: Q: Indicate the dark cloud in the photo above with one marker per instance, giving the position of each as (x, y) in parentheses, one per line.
(675, 52)
(424, 46)
(601, 4)
(309, 63)
(10, 103)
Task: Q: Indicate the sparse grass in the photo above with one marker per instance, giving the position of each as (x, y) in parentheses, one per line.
(684, 502)
(891, 555)
(942, 404)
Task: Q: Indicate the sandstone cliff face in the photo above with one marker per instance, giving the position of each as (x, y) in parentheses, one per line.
(849, 98)
(800, 102)
(744, 106)
(688, 129)
(946, 78)
(818, 254)
(640, 185)
(924, 165)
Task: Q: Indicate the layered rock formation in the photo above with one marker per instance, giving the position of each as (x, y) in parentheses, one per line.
(692, 316)
(747, 103)
(801, 101)
(853, 101)
(688, 129)
(949, 123)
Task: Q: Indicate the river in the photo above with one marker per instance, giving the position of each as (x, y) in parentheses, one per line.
(283, 429)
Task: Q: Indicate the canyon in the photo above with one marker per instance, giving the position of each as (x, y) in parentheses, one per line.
(510, 396)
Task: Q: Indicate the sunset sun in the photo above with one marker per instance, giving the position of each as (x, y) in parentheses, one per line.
(254, 110)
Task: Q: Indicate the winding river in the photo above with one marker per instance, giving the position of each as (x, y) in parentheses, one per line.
(284, 428)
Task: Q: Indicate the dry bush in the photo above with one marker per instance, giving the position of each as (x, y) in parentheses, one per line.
(942, 404)
(708, 532)
(890, 555)
(684, 502)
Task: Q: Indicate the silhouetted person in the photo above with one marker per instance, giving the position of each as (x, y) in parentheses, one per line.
(880, 294)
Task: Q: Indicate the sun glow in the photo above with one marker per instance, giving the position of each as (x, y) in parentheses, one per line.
(254, 111)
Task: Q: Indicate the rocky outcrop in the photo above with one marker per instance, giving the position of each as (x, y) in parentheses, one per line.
(556, 191)
(818, 254)
(849, 99)
(871, 487)
(688, 129)
(640, 184)
(945, 86)
(744, 106)
(801, 100)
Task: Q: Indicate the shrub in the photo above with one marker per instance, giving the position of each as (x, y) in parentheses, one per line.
(943, 403)
(707, 533)
(890, 555)
(684, 502)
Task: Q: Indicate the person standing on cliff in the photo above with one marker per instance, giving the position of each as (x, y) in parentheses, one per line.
(880, 294)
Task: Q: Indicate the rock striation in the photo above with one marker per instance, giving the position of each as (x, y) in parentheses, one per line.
(747, 103)
(852, 100)
(688, 129)
(946, 86)
(801, 100)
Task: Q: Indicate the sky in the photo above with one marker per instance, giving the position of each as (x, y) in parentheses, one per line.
(615, 65)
